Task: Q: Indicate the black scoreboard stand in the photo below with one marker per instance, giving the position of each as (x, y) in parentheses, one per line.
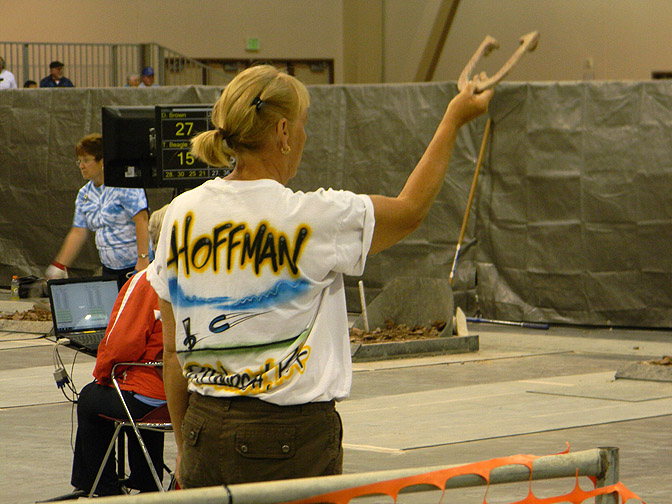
(149, 146)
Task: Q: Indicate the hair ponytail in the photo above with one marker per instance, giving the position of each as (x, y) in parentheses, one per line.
(211, 148)
(246, 113)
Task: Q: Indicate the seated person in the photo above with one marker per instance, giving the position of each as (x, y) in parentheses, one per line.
(134, 334)
(147, 77)
(55, 77)
(132, 80)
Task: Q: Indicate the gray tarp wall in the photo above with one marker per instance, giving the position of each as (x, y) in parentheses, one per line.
(571, 221)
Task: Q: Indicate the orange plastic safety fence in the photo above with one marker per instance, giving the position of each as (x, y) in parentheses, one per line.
(482, 469)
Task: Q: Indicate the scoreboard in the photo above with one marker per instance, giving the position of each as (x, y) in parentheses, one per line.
(175, 126)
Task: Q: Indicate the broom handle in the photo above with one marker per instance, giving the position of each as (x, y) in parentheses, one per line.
(470, 199)
(528, 325)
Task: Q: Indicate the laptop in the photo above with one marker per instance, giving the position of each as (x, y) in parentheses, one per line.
(81, 309)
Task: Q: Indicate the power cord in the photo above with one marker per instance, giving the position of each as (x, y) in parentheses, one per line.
(61, 376)
(64, 381)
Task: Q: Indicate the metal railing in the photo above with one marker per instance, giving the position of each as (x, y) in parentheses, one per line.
(601, 463)
(107, 65)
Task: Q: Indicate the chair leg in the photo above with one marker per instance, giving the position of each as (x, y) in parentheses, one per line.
(107, 456)
(143, 447)
(121, 454)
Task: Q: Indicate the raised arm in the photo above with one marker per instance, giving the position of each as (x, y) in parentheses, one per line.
(397, 217)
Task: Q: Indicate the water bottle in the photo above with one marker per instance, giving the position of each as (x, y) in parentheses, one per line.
(14, 287)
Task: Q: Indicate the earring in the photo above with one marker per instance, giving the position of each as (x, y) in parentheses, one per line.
(285, 149)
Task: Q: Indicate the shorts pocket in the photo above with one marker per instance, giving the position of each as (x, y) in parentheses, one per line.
(191, 431)
(193, 451)
(266, 441)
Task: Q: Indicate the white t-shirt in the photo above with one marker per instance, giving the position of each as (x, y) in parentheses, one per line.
(254, 272)
(8, 81)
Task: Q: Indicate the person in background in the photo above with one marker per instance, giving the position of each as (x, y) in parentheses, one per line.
(117, 215)
(134, 334)
(7, 80)
(55, 77)
(30, 84)
(132, 80)
(147, 77)
(249, 276)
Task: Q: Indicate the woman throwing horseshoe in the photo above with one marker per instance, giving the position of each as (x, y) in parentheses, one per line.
(250, 279)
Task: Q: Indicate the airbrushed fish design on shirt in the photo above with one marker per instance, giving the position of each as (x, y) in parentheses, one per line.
(235, 311)
(292, 355)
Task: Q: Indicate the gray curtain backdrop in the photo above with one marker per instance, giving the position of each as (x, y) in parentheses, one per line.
(572, 222)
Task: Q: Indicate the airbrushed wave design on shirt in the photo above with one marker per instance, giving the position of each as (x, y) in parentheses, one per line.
(233, 312)
(281, 292)
(288, 358)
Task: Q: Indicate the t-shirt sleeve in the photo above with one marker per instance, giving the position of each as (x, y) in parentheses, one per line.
(355, 223)
(79, 220)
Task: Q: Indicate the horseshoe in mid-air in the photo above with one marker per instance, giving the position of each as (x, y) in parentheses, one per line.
(528, 43)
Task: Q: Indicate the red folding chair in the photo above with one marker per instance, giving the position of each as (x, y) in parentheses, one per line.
(157, 420)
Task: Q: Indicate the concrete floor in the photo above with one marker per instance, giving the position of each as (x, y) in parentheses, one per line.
(524, 391)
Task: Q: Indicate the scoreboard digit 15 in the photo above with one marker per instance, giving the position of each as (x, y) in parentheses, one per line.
(175, 126)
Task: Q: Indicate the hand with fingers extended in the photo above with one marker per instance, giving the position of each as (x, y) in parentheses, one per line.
(469, 104)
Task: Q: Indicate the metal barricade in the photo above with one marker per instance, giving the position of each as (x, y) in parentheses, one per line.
(600, 463)
(106, 65)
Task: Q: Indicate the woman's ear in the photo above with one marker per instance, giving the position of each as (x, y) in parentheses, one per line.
(282, 128)
(282, 132)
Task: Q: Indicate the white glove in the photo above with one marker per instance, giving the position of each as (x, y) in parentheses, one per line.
(55, 271)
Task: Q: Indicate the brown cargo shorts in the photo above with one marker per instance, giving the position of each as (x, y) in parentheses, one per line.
(245, 440)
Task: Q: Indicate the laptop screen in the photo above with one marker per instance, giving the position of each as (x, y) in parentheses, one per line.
(82, 304)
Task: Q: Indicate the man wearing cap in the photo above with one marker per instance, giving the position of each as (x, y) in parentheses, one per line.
(147, 77)
(7, 80)
(55, 77)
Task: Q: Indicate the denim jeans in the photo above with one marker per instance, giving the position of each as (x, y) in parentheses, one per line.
(244, 440)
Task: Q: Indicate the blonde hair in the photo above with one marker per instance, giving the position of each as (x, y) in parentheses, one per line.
(247, 111)
(155, 223)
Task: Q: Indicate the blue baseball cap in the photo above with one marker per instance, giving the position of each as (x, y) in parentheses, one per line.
(148, 71)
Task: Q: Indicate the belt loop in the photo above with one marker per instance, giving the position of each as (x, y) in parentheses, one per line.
(226, 404)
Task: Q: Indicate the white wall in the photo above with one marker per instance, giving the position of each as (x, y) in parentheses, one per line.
(626, 39)
(196, 28)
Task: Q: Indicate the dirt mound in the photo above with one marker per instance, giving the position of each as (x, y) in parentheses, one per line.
(30, 315)
(665, 361)
(396, 332)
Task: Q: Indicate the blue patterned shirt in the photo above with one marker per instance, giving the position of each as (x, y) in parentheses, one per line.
(109, 212)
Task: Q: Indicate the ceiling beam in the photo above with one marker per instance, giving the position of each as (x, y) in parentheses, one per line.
(437, 39)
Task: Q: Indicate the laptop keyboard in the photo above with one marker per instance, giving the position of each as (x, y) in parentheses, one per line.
(90, 340)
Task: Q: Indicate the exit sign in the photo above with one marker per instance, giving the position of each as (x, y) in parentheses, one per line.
(252, 44)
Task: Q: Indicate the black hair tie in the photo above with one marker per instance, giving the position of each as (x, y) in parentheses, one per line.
(258, 103)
